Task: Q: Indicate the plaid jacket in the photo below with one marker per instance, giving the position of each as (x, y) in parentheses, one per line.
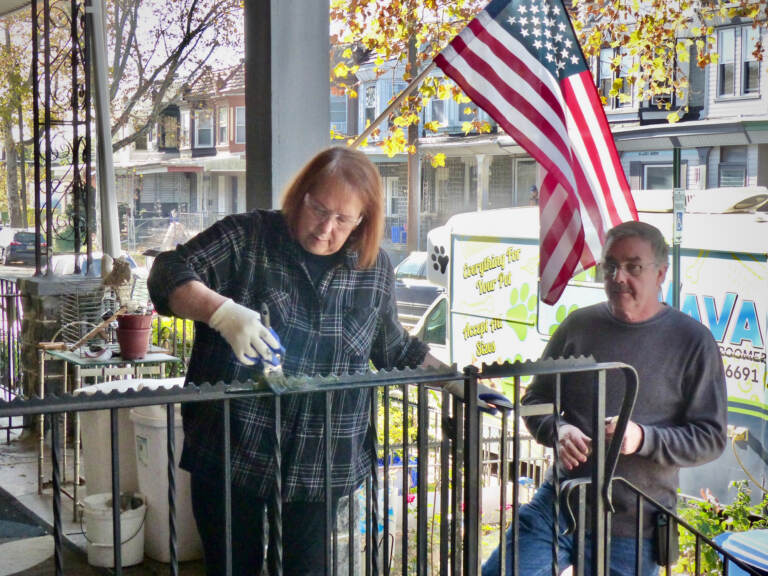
(332, 328)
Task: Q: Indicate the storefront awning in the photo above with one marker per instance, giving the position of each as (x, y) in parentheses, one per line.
(696, 134)
(165, 169)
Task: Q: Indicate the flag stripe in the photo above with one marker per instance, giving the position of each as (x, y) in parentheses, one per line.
(563, 234)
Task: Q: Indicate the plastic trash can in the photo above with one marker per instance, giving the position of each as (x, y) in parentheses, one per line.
(751, 547)
(95, 434)
(151, 449)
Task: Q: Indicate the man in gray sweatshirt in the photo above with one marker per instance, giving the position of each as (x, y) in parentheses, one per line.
(679, 417)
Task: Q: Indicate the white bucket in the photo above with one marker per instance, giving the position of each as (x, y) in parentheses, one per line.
(97, 511)
(150, 431)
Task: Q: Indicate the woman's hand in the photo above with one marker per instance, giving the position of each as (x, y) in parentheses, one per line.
(250, 340)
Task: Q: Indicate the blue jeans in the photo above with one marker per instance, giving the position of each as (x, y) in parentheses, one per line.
(535, 544)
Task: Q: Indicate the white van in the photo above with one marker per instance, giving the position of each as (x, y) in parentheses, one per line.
(491, 312)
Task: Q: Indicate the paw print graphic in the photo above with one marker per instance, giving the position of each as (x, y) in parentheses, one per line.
(522, 310)
(439, 259)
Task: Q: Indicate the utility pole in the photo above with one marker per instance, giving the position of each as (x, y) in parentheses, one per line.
(678, 209)
(414, 181)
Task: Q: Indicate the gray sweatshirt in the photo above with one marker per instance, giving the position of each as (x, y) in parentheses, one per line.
(681, 403)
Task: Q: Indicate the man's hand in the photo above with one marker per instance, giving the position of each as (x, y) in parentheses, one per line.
(241, 327)
(573, 446)
(633, 437)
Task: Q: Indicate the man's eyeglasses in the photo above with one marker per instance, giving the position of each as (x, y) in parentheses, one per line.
(340, 221)
(634, 269)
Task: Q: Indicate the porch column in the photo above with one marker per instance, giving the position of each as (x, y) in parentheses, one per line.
(287, 92)
(483, 164)
(703, 167)
(110, 225)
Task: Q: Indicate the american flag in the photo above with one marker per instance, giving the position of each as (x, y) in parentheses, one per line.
(519, 60)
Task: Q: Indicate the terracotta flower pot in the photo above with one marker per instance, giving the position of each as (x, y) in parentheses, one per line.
(133, 334)
(134, 321)
(134, 344)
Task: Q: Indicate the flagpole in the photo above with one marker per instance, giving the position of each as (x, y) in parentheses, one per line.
(396, 102)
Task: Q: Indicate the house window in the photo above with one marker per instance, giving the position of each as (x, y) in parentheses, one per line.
(222, 125)
(750, 69)
(141, 141)
(696, 79)
(203, 129)
(168, 128)
(466, 113)
(658, 177)
(240, 124)
(732, 170)
(726, 47)
(185, 128)
(339, 113)
(396, 196)
(661, 176)
(525, 182)
(438, 111)
(625, 92)
(606, 77)
(370, 104)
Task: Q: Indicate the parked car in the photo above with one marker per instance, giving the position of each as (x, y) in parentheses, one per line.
(413, 292)
(755, 203)
(21, 249)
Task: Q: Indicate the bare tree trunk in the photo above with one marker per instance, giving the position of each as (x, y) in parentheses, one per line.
(11, 174)
(23, 164)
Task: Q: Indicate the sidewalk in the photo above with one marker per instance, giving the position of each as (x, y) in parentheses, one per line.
(34, 556)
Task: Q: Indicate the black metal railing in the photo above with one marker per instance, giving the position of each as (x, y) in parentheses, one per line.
(671, 519)
(447, 458)
(10, 350)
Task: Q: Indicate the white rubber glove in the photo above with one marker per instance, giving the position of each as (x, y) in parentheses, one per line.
(250, 340)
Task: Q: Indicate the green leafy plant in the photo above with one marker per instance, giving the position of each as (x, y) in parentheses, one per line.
(711, 518)
(176, 336)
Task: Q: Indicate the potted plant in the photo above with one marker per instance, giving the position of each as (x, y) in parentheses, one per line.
(134, 319)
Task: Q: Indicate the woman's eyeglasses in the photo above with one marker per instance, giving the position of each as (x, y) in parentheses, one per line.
(340, 221)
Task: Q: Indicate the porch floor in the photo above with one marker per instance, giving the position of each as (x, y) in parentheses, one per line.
(33, 556)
